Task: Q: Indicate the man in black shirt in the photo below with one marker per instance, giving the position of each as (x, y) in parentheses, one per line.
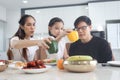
(90, 45)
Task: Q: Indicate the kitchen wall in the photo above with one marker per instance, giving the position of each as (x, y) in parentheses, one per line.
(10, 27)
(102, 11)
(116, 53)
(13, 17)
(43, 16)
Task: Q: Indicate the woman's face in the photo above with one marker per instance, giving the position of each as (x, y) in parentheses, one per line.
(29, 27)
(83, 30)
(56, 29)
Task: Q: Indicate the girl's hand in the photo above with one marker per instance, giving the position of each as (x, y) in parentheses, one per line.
(62, 34)
(65, 32)
(65, 55)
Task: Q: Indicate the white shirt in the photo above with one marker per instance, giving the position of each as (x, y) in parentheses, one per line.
(17, 53)
(61, 47)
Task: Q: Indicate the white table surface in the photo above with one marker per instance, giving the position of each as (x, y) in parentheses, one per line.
(100, 73)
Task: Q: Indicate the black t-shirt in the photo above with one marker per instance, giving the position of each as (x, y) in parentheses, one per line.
(97, 48)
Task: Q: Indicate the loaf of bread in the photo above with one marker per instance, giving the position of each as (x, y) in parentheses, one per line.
(19, 64)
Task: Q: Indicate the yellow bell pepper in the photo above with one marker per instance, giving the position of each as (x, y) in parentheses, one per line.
(73, 36)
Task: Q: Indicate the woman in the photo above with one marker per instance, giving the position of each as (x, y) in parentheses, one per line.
(57, 31)
(22, 44)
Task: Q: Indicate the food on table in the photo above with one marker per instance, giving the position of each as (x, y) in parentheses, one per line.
(16, 64)
(53, 47)
(37, 64)
(49, 60)
(80, 58)
(2, 63)
(80, 63)
(10, 61)
(60, 64)
(2, 60)
(19, 64)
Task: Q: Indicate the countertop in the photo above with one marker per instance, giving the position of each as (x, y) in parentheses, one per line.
(100, 73)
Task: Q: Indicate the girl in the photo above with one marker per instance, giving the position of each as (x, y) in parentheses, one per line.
(57, 31)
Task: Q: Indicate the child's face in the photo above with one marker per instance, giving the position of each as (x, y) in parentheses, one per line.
(56, 29)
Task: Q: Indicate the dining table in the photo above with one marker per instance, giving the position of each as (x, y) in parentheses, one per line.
(53, 73)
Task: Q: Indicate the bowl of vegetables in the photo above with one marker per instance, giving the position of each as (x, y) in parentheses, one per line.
(80, 63)
(3, 65)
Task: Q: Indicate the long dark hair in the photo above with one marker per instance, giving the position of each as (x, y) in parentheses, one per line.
(21, 35)
(52, 22)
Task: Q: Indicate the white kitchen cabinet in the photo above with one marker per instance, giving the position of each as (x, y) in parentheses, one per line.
(119, 35)
(102, 11)
(2, 13)
(113, 34)
(1, 36)
(3, 55)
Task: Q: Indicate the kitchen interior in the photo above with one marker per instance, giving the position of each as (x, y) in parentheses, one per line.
(105, 16)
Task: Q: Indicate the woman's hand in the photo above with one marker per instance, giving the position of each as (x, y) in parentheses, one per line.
(44, 42)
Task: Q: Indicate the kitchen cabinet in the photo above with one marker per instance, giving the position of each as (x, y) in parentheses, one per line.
(101, 11)
(113, 33)
(2, 36)
(2, 13)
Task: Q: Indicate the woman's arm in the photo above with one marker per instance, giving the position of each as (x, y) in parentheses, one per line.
(27, 43)
(23, 43)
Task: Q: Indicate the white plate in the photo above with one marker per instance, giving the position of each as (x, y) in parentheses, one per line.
(14, 62)
(114, 63)
(36, 70)
(52, 64)
(12, 66)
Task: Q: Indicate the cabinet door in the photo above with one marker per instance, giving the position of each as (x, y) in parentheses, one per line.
(119, 35)
(112, 35)
(1, 35)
